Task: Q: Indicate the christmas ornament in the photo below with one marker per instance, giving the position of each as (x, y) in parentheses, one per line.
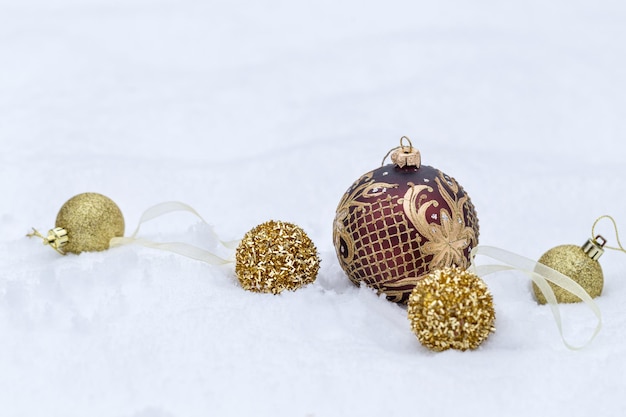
(579, 263)
(276, 256)
(398, 223)
(451, 308)
(85, 223)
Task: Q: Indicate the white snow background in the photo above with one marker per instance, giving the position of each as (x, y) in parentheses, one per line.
(259, 110)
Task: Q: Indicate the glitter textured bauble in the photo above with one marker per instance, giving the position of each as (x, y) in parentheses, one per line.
(451, 309)
(402, 221)
(276, 256)
(575, 262)
(91, 221)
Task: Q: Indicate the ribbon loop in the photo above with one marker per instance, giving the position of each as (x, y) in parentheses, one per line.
(180, 248)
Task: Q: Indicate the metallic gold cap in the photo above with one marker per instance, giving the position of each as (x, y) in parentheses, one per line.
(57, 238)
(594, 248)
(406, 155)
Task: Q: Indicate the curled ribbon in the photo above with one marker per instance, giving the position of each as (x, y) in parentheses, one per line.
(180, 248)
(540, 275)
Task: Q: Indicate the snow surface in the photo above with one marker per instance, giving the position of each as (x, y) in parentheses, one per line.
(251, 111)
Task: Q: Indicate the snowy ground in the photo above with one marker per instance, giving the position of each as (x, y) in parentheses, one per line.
(251, 111)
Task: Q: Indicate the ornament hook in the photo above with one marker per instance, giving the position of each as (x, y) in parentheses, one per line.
(410, 144)
(56, 238)
(619, 246)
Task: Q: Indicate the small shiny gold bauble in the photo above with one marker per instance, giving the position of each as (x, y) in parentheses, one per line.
(91, 220)
(451, 308)
(571, 260)
(276, 256)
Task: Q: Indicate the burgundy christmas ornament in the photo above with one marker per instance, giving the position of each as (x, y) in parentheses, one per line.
(400, 222)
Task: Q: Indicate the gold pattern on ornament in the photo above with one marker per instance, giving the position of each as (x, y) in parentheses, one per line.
(368, 189)
(377, 248)
(447, 241)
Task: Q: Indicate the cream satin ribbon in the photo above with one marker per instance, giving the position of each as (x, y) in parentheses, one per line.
(540, 275)
(180, 248)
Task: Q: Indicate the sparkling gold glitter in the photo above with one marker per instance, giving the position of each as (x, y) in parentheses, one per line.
(276, 256)
(572, 261)
(91, 220)
(451, 308)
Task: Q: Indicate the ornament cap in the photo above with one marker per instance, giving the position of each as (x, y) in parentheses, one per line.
(594, 247)
(57, 238)
(406, 155)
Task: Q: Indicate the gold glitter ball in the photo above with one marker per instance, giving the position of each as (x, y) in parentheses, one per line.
(276, 256)
(572, 261)
(91, 220)
(451, 308)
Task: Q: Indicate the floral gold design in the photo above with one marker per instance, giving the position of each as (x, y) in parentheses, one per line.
(448, 240)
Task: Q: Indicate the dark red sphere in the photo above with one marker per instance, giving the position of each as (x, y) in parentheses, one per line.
(396, 225)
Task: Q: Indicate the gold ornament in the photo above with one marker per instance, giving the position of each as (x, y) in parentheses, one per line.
(85, 223)
(578, 263)
(451, 308)
(276, 256)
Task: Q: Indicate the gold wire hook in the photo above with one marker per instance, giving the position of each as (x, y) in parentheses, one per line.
(619, 246)
(388, 153)
(35, 233)
(408, 140)
(402, 147)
